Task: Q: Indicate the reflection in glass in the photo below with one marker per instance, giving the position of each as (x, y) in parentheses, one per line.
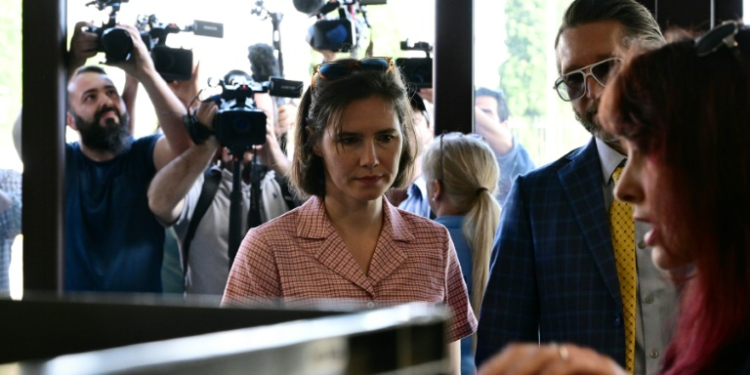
(390, 24)
(10, 162)
(515, 53)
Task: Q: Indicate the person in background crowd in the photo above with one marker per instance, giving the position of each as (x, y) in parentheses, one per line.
(683, 112)
(414, 198)
(492, 117)
(203, 233)
(461, 174)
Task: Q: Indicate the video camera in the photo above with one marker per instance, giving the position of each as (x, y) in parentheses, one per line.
(173, 64)
(115, 43)
(239, 124)
(339, 34)
(417, 70)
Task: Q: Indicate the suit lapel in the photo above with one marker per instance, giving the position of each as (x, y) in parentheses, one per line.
(582, 182)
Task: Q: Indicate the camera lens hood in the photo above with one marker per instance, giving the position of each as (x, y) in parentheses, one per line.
(117, 44)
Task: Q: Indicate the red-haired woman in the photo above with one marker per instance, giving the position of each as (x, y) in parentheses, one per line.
(684, 112)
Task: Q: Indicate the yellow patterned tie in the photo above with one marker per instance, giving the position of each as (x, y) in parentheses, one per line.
(622, 228)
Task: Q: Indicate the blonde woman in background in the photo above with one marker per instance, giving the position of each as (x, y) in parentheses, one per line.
(462, 173)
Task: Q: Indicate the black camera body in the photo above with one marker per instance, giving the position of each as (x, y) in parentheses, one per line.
(337, 35)
(173, 64)
(115, 43)
(239, 124)
(416, 70)
(340, 34)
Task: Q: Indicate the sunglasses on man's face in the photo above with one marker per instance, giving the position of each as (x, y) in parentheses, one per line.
(572, 85)
(341, 68)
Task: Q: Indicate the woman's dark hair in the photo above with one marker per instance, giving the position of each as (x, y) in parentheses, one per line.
(690, 115)
(323, 106)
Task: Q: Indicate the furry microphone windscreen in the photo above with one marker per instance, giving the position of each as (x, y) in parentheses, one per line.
(263, 63)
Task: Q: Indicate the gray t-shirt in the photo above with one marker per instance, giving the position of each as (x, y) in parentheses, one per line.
(208, 263)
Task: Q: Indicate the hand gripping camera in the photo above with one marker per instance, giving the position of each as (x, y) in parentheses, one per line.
(115, 43)
(173, 64)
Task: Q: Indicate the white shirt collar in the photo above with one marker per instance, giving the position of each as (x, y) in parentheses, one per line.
(421, 185)
(609, 159)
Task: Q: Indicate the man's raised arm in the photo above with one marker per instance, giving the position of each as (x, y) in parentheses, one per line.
(169, 109)
(166, 194)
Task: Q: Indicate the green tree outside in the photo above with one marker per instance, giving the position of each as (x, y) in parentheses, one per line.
(522, 75)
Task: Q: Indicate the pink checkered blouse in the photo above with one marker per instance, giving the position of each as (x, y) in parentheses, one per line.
(300, 255)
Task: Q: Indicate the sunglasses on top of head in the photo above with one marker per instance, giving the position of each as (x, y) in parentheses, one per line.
(572, 85)
(340, 68)
(718, 37)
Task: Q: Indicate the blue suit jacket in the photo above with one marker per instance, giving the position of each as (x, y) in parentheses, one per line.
(553, 275)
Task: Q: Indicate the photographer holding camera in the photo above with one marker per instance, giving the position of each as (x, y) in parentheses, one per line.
(491, 116)
(203, 228)
(113, 241)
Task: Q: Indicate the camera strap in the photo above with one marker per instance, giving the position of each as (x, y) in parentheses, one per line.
(197, 131)
(211, 180)
(257, 172)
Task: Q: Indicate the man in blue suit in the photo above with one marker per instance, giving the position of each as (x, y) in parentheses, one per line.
(555, 274)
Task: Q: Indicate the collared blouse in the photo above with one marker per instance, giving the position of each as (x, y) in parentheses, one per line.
(301, 256)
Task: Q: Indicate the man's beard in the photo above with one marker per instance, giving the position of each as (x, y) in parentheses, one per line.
(112, 137)
(591, 123)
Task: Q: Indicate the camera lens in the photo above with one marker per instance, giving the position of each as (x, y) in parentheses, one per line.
(241, 124)
(116, 44)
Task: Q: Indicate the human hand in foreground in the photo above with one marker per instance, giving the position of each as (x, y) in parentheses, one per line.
(551, 359)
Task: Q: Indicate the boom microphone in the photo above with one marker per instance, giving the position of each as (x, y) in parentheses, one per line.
(262, 62)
